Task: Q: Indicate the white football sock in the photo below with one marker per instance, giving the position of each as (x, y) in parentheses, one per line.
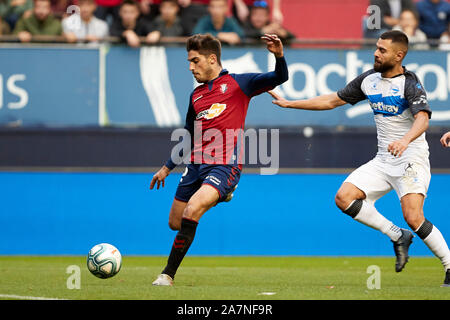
(369, 216)
(436, 243)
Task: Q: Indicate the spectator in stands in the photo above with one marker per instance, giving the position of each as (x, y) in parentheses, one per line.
(219, 25)
(4, 27)
(390, 14)
(85, 26)
(129, 26)
(444, 41)
(408, 24)
(434, 17)
(241, 10)
(259, 23)
(108, 10)
(167, 24)
(149, 9)
(191, 12)
(12, 10)
(59, 7)
(40, 22)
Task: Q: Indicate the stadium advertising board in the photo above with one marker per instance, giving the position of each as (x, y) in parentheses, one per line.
(49, 87)
(151, 86)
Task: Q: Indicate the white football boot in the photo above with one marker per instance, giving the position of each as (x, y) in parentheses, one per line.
(163, 280)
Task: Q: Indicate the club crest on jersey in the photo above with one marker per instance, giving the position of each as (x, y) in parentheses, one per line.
(395, 89)
(214, 111)
(223, 87)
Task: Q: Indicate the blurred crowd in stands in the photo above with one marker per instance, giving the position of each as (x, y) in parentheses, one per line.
(232, 21)
(138, 21)
(420, 20)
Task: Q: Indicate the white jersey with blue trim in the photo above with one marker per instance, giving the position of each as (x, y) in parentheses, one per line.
(394, 102)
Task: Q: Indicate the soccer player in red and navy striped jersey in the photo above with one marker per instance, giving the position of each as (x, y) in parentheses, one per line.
(217, 108)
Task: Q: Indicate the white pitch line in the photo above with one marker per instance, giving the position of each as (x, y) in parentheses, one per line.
(13, 296)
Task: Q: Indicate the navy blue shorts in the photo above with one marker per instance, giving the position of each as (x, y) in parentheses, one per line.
(223, 178)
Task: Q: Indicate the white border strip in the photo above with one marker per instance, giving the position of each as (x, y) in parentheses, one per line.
(102, 120)
(13, 296)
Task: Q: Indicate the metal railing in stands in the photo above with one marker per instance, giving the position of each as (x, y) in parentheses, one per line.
(331, 43)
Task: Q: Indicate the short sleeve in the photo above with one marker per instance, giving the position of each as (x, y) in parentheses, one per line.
(352, 92)
(416, 95)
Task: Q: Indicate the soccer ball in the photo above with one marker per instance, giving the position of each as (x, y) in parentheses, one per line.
(104, 260)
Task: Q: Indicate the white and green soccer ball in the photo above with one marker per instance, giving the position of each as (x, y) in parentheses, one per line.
(104, 260)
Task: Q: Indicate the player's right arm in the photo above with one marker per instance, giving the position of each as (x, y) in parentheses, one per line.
(351, 93)
(323, 102)
(161, 175)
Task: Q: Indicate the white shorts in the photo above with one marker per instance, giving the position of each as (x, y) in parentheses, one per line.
(376, 178)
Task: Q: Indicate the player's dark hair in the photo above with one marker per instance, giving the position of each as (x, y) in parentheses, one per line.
(205, 44)
(396, 37)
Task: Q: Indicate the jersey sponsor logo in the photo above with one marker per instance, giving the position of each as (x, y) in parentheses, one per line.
(213, 112)
(381, 107)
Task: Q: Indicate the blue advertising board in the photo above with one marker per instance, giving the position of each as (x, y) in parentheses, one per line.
(167, 83)
(68, 213)
(49, 87)
(150, 86)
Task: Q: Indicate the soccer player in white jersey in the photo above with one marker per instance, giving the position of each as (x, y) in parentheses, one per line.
(401, 112)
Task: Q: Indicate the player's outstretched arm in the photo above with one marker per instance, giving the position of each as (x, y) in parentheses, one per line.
(323, 102)
(445, 140)
(159, 177)
(253, 84)
(420, 125)
(274, 44)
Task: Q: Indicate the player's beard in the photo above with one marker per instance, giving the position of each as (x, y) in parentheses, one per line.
(383, 67)
(205, 77)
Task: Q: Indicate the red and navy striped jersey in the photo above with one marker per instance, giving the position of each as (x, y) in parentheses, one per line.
(217, 111)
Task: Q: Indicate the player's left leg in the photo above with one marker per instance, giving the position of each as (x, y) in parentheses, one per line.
(357, 196)
(203, 200)
(359, 192)
(218, 181)
(176, 214)
(412, 207)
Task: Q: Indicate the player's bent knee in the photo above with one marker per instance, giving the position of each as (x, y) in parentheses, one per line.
(342, 200)
(192, 211)
(175, 226)
(414, 218)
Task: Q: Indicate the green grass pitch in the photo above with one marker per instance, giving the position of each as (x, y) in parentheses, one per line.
(226, 278)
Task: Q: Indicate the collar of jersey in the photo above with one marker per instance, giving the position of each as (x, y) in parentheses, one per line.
(397, 75)
(222, 73)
